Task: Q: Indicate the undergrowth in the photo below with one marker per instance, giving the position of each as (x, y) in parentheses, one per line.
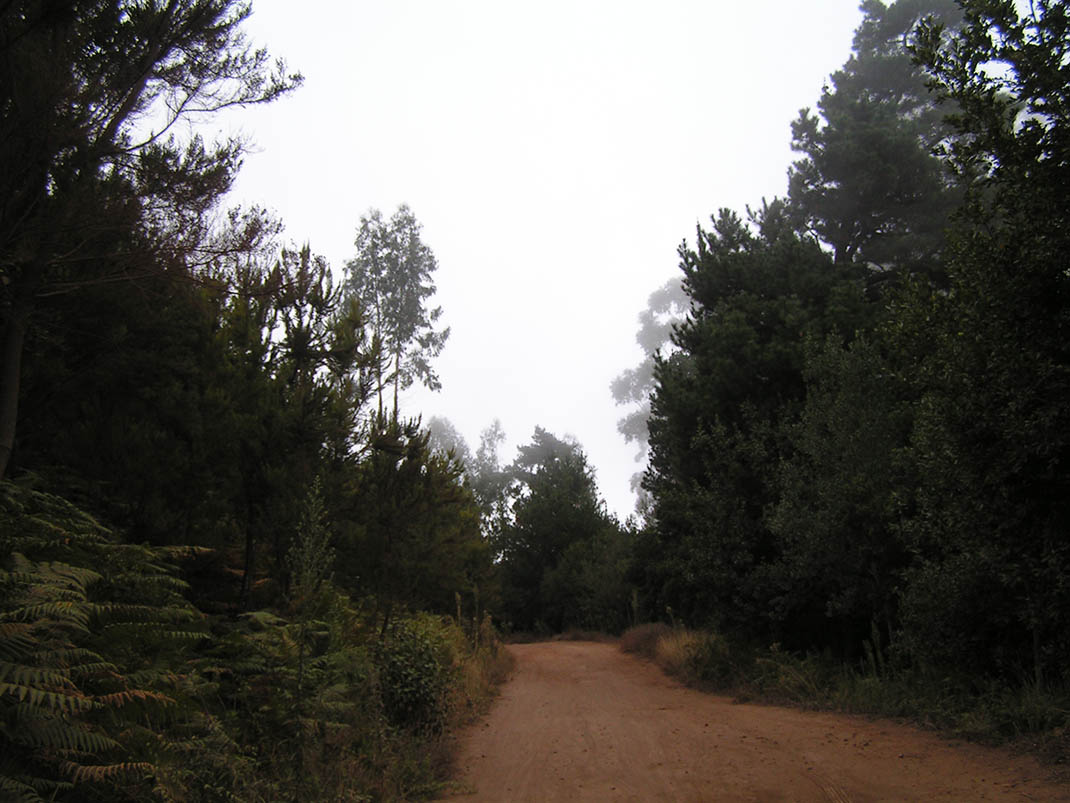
(114, 687)
(1037, 719)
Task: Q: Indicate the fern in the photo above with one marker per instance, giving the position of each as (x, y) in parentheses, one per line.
(86, 632)
(105, 772)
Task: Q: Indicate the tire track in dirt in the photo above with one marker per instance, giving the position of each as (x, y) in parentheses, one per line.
(581, 721)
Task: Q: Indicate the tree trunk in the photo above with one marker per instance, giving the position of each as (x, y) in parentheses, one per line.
(397, 377)
(1038, 664)
(249, 568)
(10, 378)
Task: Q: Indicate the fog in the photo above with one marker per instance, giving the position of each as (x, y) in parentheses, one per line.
(556, 155)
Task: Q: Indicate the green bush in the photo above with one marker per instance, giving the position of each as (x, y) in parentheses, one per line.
(415, 675)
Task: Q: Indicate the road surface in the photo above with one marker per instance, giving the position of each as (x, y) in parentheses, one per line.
(581, 721)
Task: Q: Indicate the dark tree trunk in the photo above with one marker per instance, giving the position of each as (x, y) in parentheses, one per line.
(10, 377)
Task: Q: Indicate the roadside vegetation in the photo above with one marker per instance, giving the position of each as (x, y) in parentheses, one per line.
(116, 687)
(984, 710)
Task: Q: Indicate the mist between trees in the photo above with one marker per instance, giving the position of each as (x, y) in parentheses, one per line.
(232, 566)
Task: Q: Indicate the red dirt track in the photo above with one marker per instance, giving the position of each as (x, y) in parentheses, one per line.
(581, 721)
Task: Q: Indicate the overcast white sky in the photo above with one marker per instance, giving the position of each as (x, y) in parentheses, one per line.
(556, 154)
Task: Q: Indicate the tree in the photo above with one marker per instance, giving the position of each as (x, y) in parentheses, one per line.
(561, 554)
(88, 196)
(989, 588)
(723, 405)
(412, 538)
(391, 278)
(446, 440)
(867, 183)
(665, 308)
(490, 480)
(844, 491)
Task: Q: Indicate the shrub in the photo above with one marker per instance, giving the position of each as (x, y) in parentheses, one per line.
(415, 669)
(713, 662)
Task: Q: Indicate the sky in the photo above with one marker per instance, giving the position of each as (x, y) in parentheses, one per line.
(556, 154)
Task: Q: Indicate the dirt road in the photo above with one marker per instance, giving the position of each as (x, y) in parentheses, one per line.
(584, 722)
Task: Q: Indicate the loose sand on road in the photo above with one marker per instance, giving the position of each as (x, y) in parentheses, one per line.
(581, 721)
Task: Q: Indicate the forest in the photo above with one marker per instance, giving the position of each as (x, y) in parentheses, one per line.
(232, 567)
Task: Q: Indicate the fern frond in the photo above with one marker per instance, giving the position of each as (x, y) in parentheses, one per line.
(144, 630)
(77, 576)
(70, 614)
(17, 791)
(104, 772)
(121, 698)
(184, 552)
(21, 576)
(35, 676)
(16, 640)
(131, 613)
(146, 677)
(36, 698)
(61, 734)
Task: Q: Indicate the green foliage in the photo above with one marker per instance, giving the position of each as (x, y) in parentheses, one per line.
(883, 474)
(410, 535)
(414, 675)
(843, 492)
(562, 557)
(311, 555)
(993, 374)
(391, 279)
(866, 183)
(723, 405)
(87, 655)
(89, 199)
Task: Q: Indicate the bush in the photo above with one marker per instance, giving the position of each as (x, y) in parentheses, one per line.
(415, 671)
(713, 663)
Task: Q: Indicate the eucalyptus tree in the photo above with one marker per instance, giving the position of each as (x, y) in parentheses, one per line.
(666, 307)
(391, 276)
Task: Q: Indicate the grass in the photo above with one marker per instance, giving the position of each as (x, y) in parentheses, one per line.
(643, 639)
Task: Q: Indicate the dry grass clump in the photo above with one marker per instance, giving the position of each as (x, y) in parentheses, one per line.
(676, 651)
(643, 639)
(696, 657)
